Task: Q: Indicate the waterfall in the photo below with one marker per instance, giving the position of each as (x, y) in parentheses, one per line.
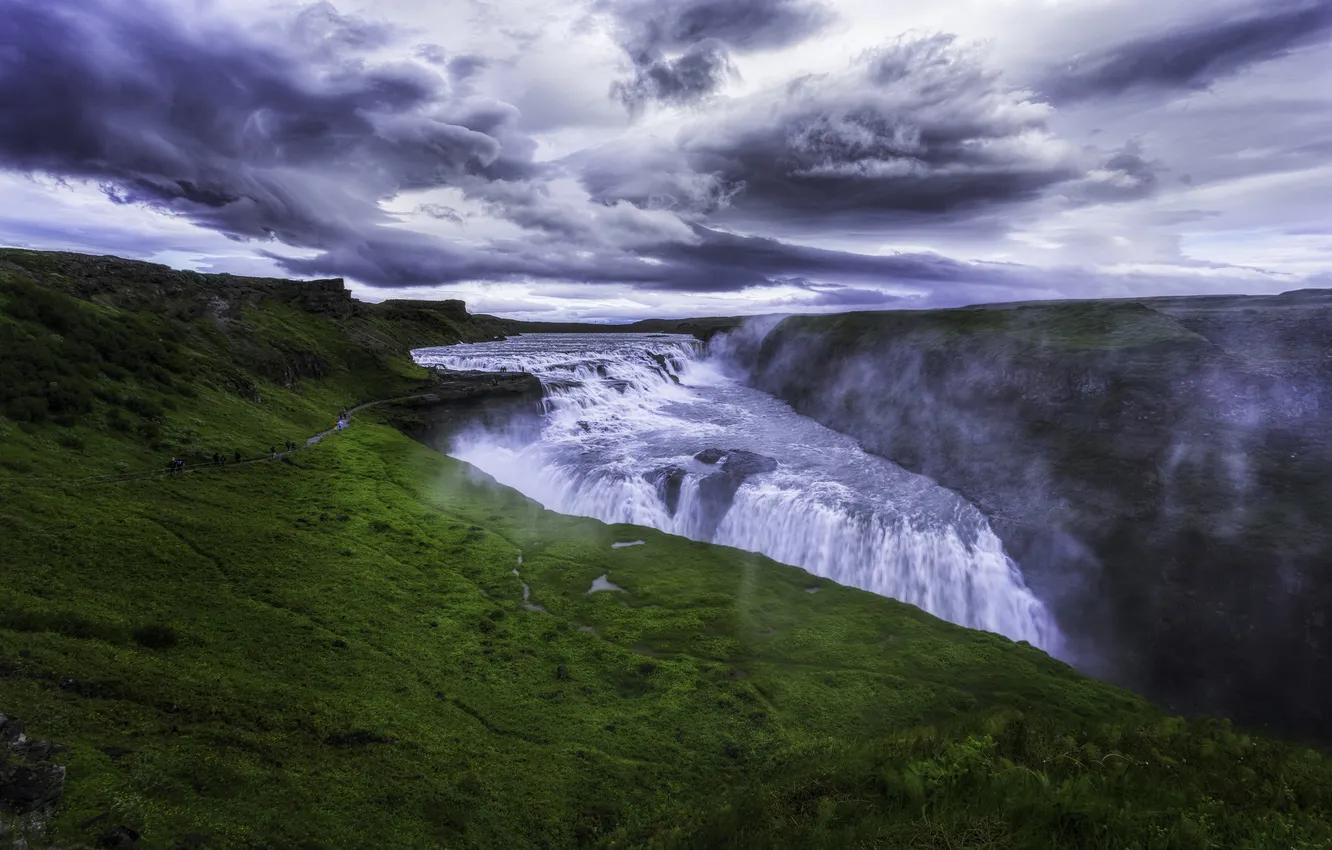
(626, 413)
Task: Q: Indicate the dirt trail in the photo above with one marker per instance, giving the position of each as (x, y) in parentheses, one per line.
(157, 473)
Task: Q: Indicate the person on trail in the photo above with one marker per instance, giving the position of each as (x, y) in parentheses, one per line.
(238, 456)
(272, 452)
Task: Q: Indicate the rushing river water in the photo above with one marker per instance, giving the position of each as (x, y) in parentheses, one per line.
(623, 408)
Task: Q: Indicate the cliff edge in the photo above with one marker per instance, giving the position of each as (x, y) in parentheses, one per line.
(1161, 469)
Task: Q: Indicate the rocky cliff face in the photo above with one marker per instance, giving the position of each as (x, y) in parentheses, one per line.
(496, 401)
(1162, 471)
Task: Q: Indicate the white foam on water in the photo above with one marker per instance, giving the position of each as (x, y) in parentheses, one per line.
(618, 406)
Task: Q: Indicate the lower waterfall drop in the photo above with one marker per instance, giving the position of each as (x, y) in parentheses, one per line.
(644, 429)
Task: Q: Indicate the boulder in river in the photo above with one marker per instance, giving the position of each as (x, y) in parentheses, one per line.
(667, 480)
(744, 464)
(716, 492)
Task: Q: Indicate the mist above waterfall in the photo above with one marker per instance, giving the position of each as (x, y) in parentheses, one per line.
(628, 419)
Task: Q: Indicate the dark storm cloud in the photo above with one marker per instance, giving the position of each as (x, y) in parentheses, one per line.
(918, 128)
(1125, 175)
(715, 262)
(702, 33)
(696, 73)
(1195, 55)
(253, 141)
(743, 24)
(240, 135)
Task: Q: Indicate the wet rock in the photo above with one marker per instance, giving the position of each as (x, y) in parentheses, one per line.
(667, 480)
(709, 456)
(744, 464)
(717, 492)
(667, 367)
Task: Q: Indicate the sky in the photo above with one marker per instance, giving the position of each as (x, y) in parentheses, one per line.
(608, 160)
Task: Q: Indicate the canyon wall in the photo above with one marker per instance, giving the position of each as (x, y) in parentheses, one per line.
(1161, 469)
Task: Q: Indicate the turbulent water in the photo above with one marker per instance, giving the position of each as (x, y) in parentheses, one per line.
(619, 406)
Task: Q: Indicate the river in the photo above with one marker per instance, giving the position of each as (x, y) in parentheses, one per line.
(627, 413)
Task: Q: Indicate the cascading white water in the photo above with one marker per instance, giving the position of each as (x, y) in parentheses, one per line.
(619, 406)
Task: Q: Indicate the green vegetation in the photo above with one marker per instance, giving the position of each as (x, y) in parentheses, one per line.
(1069, 325)
(336, 651)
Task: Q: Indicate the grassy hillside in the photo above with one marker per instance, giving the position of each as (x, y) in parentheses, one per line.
(337, 650)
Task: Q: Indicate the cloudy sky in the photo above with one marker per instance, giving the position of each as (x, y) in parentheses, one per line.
(613, 159)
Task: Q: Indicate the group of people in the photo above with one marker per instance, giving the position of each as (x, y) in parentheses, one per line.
(177, 464)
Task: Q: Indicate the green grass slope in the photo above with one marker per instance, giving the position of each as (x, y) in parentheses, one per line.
(337, 650)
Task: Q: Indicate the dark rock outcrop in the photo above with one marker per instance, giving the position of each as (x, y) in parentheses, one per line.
(118, 838)
(667, 368)
(505, 402)
(716, 492)
(667, 480)
(709, 456)
(1162, 470)
(742, 464)
(28, 778)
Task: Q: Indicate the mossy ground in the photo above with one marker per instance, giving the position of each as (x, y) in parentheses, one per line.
(1061, 326)
(335, 652)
